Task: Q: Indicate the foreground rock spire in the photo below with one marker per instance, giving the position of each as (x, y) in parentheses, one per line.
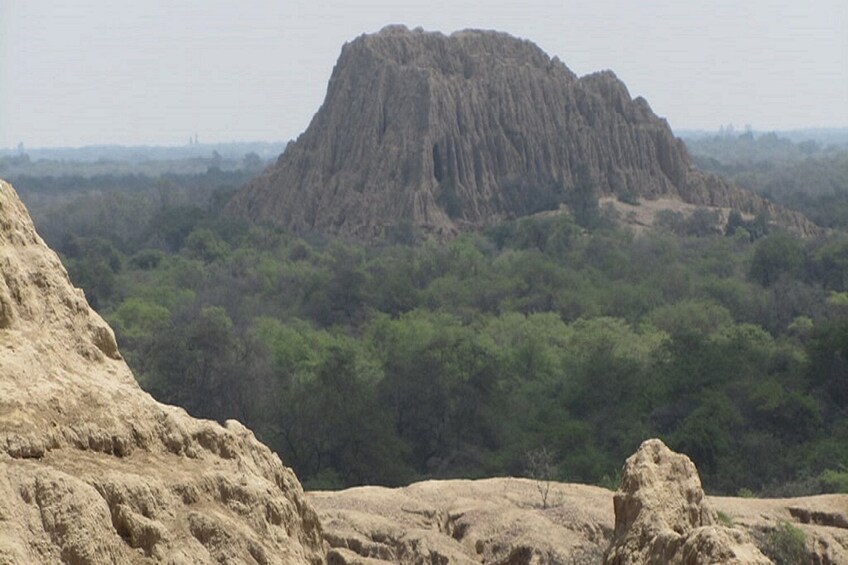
(662, 516)
(92, 469)
(444, 133)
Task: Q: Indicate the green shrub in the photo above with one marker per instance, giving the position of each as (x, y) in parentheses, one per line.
(610, 481)
(785, 544)
(724, 519)
(629, 197)
(745, 493)
(835, 481)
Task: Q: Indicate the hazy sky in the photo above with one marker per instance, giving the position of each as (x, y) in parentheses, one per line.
(157, 71)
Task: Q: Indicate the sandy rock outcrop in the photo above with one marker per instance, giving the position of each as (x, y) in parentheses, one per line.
(445, 133)
(459, 521)
(659, 515)
(92, 469)
(662, 515)
(822, 519)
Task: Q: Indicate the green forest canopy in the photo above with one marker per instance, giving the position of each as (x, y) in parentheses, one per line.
(387, 363)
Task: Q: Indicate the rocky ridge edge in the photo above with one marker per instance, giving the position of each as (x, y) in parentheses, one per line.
(92, 469)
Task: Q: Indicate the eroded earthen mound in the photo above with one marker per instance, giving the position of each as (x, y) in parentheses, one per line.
(449, 132)
(92, 469)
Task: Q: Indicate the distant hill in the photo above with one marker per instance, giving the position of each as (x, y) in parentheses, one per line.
(445, 133)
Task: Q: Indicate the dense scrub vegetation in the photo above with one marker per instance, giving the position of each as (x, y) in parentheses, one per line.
(402, 360)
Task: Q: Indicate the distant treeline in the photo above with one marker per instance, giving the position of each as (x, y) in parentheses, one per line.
(142, 153)
(100, 163)
(825, 137)
(807, 176)
(406, 359)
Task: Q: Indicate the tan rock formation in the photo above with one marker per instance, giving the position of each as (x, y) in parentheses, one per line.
(92, 469)
(662, 516)
(459, 521)
(823, 520)
(462, 131)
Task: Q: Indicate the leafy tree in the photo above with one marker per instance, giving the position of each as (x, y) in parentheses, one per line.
(252, 161)
(340, 297)
(204, 244)
(171, 226)
(828, 369)
(707, 433)
(440, 387)
(775, 256)
(785, 545)
(831, 265)
(93, 264)
(690, 316)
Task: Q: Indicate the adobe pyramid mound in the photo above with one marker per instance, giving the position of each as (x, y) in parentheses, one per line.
(452, 132)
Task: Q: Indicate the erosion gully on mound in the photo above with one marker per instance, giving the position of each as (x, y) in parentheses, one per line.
(448, 132)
